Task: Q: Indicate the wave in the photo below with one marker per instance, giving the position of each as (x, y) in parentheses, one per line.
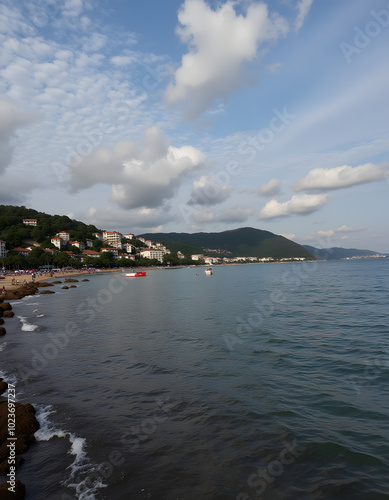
(84, 476)
(26, 326)
(3, 346)
(39, 315)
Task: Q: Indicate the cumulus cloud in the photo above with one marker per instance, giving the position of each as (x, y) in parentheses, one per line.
(272, 188)
(204, 216)
(206, 191)
(298, 205)
(322, 179)
(137, 220)
(302, 7)
(219, 42)
(289, 236)
(235, 215)
(10, 121)
(140, 176)
(346, 229)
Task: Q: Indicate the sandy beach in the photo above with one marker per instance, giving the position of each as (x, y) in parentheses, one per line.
(9, 287)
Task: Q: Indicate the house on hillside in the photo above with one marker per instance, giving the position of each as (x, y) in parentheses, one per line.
(3, 251)
(21, 251)
(89, 243)
(30, 222)
(64, 236)
(90, 253)
(153, 253)
(129, 236)
(114, 251)
(58, 242)
(113, 238)
(99, 236)
(77, 244)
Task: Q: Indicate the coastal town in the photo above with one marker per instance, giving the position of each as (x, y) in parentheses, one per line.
(122, 249)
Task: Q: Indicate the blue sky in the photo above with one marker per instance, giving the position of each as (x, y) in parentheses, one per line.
(200, 115)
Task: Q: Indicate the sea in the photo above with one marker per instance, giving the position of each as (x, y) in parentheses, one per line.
(262, 381)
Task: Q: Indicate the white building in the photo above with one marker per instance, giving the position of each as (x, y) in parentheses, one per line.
(113, 238)
(3, 251)
(89, 243)
(199, 257)
(77, 244)
(57, 241)
(30, 222)
(114, 251)
(127, 247)
(99, 236)
(64, 236)
(153, 253)
(90, 253)
(129, 236)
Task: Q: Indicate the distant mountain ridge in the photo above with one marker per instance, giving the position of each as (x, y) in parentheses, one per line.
(242, 242)
(334, 253)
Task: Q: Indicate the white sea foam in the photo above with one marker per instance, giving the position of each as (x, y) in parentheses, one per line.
(8, 378)
(3, 346)
(39, 315)
(26, 326)
(83, 477)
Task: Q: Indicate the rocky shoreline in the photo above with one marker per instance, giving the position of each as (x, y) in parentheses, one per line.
(26, 423)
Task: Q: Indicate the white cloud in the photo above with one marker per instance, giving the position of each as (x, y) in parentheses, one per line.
(273, 68)
(219, 41)
(289, 236)
(346, 229)
(235, 215)
(302, 11)
(204, 216)
(206, 191)
(272, 188)
(140, 176)
(10, 121)
(298, 205)
(339, 177)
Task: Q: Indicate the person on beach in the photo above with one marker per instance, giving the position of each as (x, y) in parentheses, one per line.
(3, 291)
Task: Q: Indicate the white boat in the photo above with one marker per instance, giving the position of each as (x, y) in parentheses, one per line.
(208, 271)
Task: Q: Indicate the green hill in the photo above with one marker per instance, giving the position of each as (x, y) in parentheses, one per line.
(243, 242)
(334, 253)
(16, 234)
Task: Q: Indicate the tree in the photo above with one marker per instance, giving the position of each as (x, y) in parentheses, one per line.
(171, 259)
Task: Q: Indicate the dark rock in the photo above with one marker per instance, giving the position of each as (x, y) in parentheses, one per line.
(43, 284)
(55, 282)
(8, 314)
(71, 280)
(72, 286)
(3, 331)
(5, 306)
(20, 491)
(85, 279)
(1, 321)
(3, 386)
(26, 425)
(65, 287)
(47, 291)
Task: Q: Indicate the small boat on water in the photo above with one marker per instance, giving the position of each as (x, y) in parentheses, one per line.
(208, 271)
(136, 275)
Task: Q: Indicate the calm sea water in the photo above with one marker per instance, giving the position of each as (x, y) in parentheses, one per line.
(261, 381)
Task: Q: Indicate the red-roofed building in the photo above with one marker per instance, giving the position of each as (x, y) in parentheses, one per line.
(22, 251)
(57, 241)
(90, 253)
(30, 222)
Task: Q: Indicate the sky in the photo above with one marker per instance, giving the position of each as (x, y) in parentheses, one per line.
(200, 115)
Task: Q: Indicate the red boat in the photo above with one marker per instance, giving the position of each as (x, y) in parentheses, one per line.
(136, 275)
